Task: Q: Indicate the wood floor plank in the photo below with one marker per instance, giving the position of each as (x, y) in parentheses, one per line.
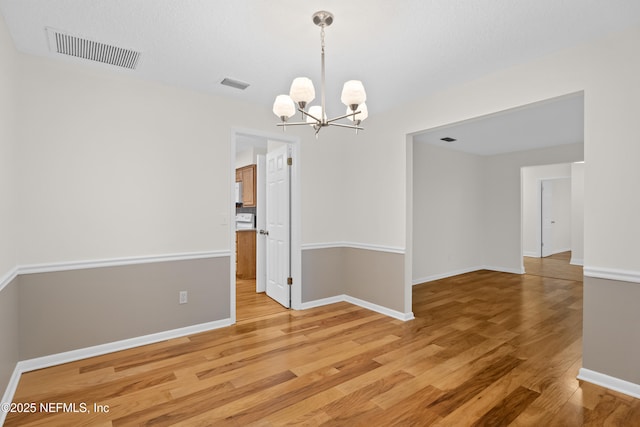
(485, 348)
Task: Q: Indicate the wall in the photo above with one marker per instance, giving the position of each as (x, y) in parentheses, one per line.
(611, 147)
(448, 197)
(531, 177)
(577, 212)
(561, 214)
(9, 351)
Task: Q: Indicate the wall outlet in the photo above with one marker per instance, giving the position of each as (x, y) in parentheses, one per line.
(183, 297)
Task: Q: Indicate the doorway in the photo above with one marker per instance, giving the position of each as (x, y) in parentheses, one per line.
(273, 284)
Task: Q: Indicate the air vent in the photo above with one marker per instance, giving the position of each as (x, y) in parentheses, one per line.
(234, 83)
(448, 139)
(66, 44)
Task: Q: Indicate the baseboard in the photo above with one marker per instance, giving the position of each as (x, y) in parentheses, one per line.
(10, 391)
(576, 261)
(612, 274)
(380, 309)
(532, 254)
(464, 271)
(616, 384)
(360, 303)
(322, 302)
(98, 350)
(504, 269)
(444, 275)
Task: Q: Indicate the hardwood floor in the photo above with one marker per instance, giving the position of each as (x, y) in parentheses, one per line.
(485, 349)
(250, 304)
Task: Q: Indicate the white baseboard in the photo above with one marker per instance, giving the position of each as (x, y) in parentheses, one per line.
(609, 382)
(10, 391)
(532, 254)
(361, 303)
(612, 274)
(576, 261)
(444, 275)
(98, 350)
(321, 302)
(464, 271)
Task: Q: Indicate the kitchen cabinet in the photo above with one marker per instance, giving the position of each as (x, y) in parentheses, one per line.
(246, 254)
(247, 176)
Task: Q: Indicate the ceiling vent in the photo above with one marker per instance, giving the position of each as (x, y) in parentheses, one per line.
(66, 44)
(234, 83)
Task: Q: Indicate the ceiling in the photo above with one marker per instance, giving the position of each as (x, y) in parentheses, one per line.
(542, 124)
(401, 50)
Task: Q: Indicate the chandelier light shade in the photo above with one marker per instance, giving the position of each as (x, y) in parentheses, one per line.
(302, 93)
(284, 107)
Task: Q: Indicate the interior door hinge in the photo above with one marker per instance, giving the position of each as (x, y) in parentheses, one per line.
(289, 161)
(289, 281)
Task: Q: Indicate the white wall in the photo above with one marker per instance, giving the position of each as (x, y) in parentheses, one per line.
(112, 166)
(577, 213)
(561, 214)
(7, 152)
(448, 212)
(531, 177)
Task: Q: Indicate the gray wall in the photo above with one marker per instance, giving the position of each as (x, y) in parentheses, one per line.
(9, 344)
(369, 275)
(68, 310)
(611, 336)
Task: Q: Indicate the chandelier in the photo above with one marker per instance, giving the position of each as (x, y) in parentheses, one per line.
(302, 93)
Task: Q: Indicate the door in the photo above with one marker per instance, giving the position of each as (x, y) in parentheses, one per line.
(278, 231)
(546, 209)
(261, 224)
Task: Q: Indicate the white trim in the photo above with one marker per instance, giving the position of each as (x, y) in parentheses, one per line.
(612, 274)
(361, 303)
(353, 245)
(532, 254)
(323, 301)
(380, 309)
(10, 391)
(8, 278)
(504, 269)
(98, 350)
(464, 271)
(444, 275)
(616, 384)
(576, 261)
(115, 262)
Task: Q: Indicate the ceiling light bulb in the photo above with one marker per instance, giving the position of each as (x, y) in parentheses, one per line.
(353, 94)
(302, 91)
(315, 111)
(284, 107)
(363, 113)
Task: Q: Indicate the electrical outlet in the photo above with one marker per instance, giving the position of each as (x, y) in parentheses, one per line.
(183, 297)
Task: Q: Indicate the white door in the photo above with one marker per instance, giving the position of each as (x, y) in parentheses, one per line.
(546, 209)
(261, 224)
(277, 219)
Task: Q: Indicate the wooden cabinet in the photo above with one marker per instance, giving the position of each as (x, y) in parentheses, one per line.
(247, 176)
(246, 254)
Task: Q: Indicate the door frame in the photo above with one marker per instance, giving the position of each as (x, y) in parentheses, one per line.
(295, 219)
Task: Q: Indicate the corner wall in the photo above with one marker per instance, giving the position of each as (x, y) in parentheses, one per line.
(9, 352)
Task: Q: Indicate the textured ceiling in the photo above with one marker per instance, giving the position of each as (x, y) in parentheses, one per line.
(401, 50)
